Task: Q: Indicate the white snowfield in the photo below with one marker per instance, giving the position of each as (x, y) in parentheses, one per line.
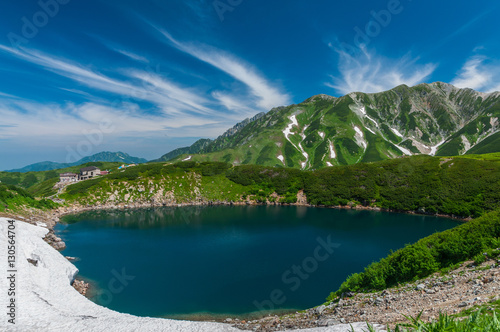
(288, 131)
(362, 110)
(405, 151)
(332, 151)
(360, 138)
(45, 300)
(395, 131)
(436, 147)
(371, 131)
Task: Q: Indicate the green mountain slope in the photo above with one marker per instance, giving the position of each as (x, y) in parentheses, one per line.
(489, 144)
(120, 157)
(458, 186)
(13, 198)
(41, 183)
(195, 148)
(432, 119)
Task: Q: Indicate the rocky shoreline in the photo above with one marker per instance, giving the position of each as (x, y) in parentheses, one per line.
(328, 316)
(462, 289)
(301, 201)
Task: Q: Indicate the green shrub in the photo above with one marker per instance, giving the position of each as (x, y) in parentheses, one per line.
(478, 321)
(479, 259)
(435, 252)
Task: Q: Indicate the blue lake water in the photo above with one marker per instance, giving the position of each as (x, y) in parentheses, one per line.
(185, 262)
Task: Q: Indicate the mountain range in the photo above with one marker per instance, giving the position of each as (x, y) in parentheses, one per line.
(102, 156)
(433, 119)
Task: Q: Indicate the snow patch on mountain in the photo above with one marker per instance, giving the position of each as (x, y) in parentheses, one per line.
(405, 151)
(395, 131)
(332, 151)
(360, 140)
(466, 143)
(288, 129)
(436, 147)
(362, 109)
(375, 122)
(281, 158)
(304, 153)
(302, 134)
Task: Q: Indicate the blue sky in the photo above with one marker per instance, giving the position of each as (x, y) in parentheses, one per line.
(144, 77)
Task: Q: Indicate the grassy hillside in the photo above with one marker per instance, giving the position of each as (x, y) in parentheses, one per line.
(429, 255)
(459, 186)
(156, 182)
(13, 198)
(456, 186)
(489, 144)
(40, 183)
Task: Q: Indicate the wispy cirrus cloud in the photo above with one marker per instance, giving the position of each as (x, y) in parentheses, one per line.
(137, 84)
(53, 120)
(131, 55)
(479, 73)
(368, 72)
(176, 110)
(233, 104)
(267, 95)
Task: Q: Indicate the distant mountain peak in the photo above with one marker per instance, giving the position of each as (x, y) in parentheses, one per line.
(318, 97)
(105, 156)
(435, 119)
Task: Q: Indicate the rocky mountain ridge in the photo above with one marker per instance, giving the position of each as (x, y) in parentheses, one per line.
(432, 119)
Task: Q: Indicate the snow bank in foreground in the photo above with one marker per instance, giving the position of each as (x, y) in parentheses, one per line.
(45, 300)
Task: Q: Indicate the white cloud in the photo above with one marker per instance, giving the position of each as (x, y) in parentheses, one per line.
(6, 95)
(181, 96)
(172, 109)
(479, 73)
(32, 119)
(146, 85)
(368, 72)
(131, 55)
(268, 95)
(232, 103)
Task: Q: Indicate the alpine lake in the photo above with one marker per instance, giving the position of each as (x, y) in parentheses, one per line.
(209, 262)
